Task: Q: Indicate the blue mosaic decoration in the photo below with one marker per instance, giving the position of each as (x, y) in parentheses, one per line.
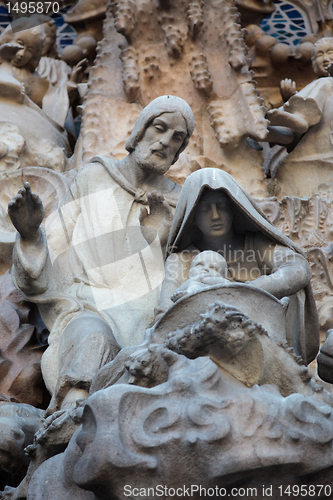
(288, 23)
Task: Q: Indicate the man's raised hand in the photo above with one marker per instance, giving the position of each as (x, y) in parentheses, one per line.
(26, 212)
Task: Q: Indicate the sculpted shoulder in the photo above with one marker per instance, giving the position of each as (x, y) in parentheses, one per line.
(92, 177)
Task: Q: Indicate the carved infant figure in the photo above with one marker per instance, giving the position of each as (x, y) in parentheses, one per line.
(207, 268)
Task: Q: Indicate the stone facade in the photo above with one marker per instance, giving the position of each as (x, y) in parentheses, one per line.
(170, 282)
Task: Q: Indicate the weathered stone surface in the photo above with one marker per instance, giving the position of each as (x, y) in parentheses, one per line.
(194, 50)
(18, 425)
(162, 412)
(138, 437)
(21, 348)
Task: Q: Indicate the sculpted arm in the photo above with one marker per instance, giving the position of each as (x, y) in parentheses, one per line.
(304, 109)
(289, 271)
(176, 271)
(32, 266)
(30, 251)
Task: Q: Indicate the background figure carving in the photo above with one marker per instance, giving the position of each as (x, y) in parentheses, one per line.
(31, 38)
(308, 115)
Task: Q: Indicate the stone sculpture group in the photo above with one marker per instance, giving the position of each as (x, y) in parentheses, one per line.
(150, 333)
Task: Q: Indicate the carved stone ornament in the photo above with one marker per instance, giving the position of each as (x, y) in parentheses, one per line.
(166, 255)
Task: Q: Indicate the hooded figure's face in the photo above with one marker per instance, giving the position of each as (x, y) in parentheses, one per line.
(213, 214)
(160, 143)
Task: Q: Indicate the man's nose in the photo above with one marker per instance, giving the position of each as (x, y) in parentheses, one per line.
(166, 138)
(20, 52)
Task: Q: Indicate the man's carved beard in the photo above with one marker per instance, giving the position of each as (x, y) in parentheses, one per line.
(150, 162)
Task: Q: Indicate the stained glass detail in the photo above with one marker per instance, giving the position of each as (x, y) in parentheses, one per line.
(288, 23)
(5, 18)
(66, 34)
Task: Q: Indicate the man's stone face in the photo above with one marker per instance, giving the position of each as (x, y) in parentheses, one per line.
(324, 57)
(161, 142)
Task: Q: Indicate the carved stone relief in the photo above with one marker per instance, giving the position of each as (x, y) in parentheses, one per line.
(308, 222)
(21, 347)
(191, 49)
(151, 444)
(215, 391)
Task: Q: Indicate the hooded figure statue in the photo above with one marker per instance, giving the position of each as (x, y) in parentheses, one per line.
(256, 252)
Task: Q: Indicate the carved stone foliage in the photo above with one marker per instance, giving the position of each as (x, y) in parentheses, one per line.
(309, 222)
(180, 433)
(170, 405)
(192, 49)
(20, 349)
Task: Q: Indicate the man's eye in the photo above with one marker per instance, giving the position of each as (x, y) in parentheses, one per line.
(178, 138)
(160, 128)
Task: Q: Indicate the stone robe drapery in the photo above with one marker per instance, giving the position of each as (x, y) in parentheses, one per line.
(94, 259)
(56, 101)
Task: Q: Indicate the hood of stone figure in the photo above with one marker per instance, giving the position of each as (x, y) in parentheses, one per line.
(247, 215)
